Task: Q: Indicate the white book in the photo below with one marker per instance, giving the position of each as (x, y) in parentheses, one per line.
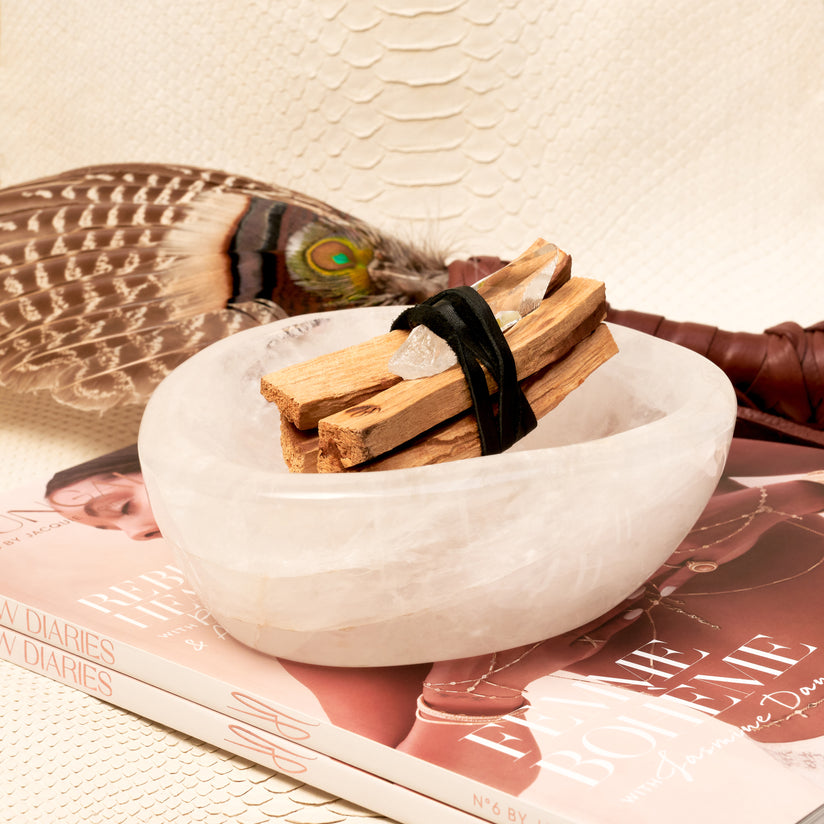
(245, 740)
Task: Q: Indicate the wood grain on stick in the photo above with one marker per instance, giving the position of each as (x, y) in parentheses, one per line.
(314, 389)
(404, 410)
(299, 447)
(458, 438)
(308, 391)
(505, 288)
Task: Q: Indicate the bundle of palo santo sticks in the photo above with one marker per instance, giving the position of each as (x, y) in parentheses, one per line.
(346, 411)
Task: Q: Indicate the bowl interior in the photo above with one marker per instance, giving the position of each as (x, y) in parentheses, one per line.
(642, 384)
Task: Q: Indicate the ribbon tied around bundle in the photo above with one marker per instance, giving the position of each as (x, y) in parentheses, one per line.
(465, 321)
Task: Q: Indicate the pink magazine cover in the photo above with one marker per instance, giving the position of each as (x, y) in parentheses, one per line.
(698, 696)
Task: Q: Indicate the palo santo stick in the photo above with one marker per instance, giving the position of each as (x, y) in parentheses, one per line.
(390, 418)
(299, 447)
(458, 438)
(306, 392)
(505, 288)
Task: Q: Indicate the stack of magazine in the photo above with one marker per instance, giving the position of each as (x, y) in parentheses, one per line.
(701, 697)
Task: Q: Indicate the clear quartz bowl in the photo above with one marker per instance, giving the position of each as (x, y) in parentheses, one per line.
(436, 562)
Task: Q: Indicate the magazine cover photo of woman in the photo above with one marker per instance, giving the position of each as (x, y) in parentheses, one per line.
(107, 493)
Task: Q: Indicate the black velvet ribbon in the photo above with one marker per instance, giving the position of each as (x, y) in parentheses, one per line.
(466, 322)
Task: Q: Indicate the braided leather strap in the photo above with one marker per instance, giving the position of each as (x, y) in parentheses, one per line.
(778, 374)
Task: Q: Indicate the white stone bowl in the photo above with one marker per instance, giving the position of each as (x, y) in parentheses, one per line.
(438, 562)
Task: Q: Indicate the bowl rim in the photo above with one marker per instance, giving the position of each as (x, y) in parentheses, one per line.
(495, 469)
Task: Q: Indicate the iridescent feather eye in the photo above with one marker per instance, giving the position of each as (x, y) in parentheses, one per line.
(334, 266)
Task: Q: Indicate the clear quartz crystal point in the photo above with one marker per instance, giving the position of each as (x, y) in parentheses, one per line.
(422, 354)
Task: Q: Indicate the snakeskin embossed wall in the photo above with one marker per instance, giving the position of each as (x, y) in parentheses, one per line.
(671, 147)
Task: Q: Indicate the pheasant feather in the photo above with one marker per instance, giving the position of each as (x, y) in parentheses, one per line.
(110, 276)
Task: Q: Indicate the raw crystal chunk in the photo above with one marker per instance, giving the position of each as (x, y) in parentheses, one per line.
(422, 354)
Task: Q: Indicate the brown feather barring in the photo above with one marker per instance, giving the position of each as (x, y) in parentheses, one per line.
(110, 276)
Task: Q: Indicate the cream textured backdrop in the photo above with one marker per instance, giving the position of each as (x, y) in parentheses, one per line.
(102, 765)
(672, 147)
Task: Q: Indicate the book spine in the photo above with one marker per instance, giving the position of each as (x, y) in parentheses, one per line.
(270, 717)
(242, 739)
